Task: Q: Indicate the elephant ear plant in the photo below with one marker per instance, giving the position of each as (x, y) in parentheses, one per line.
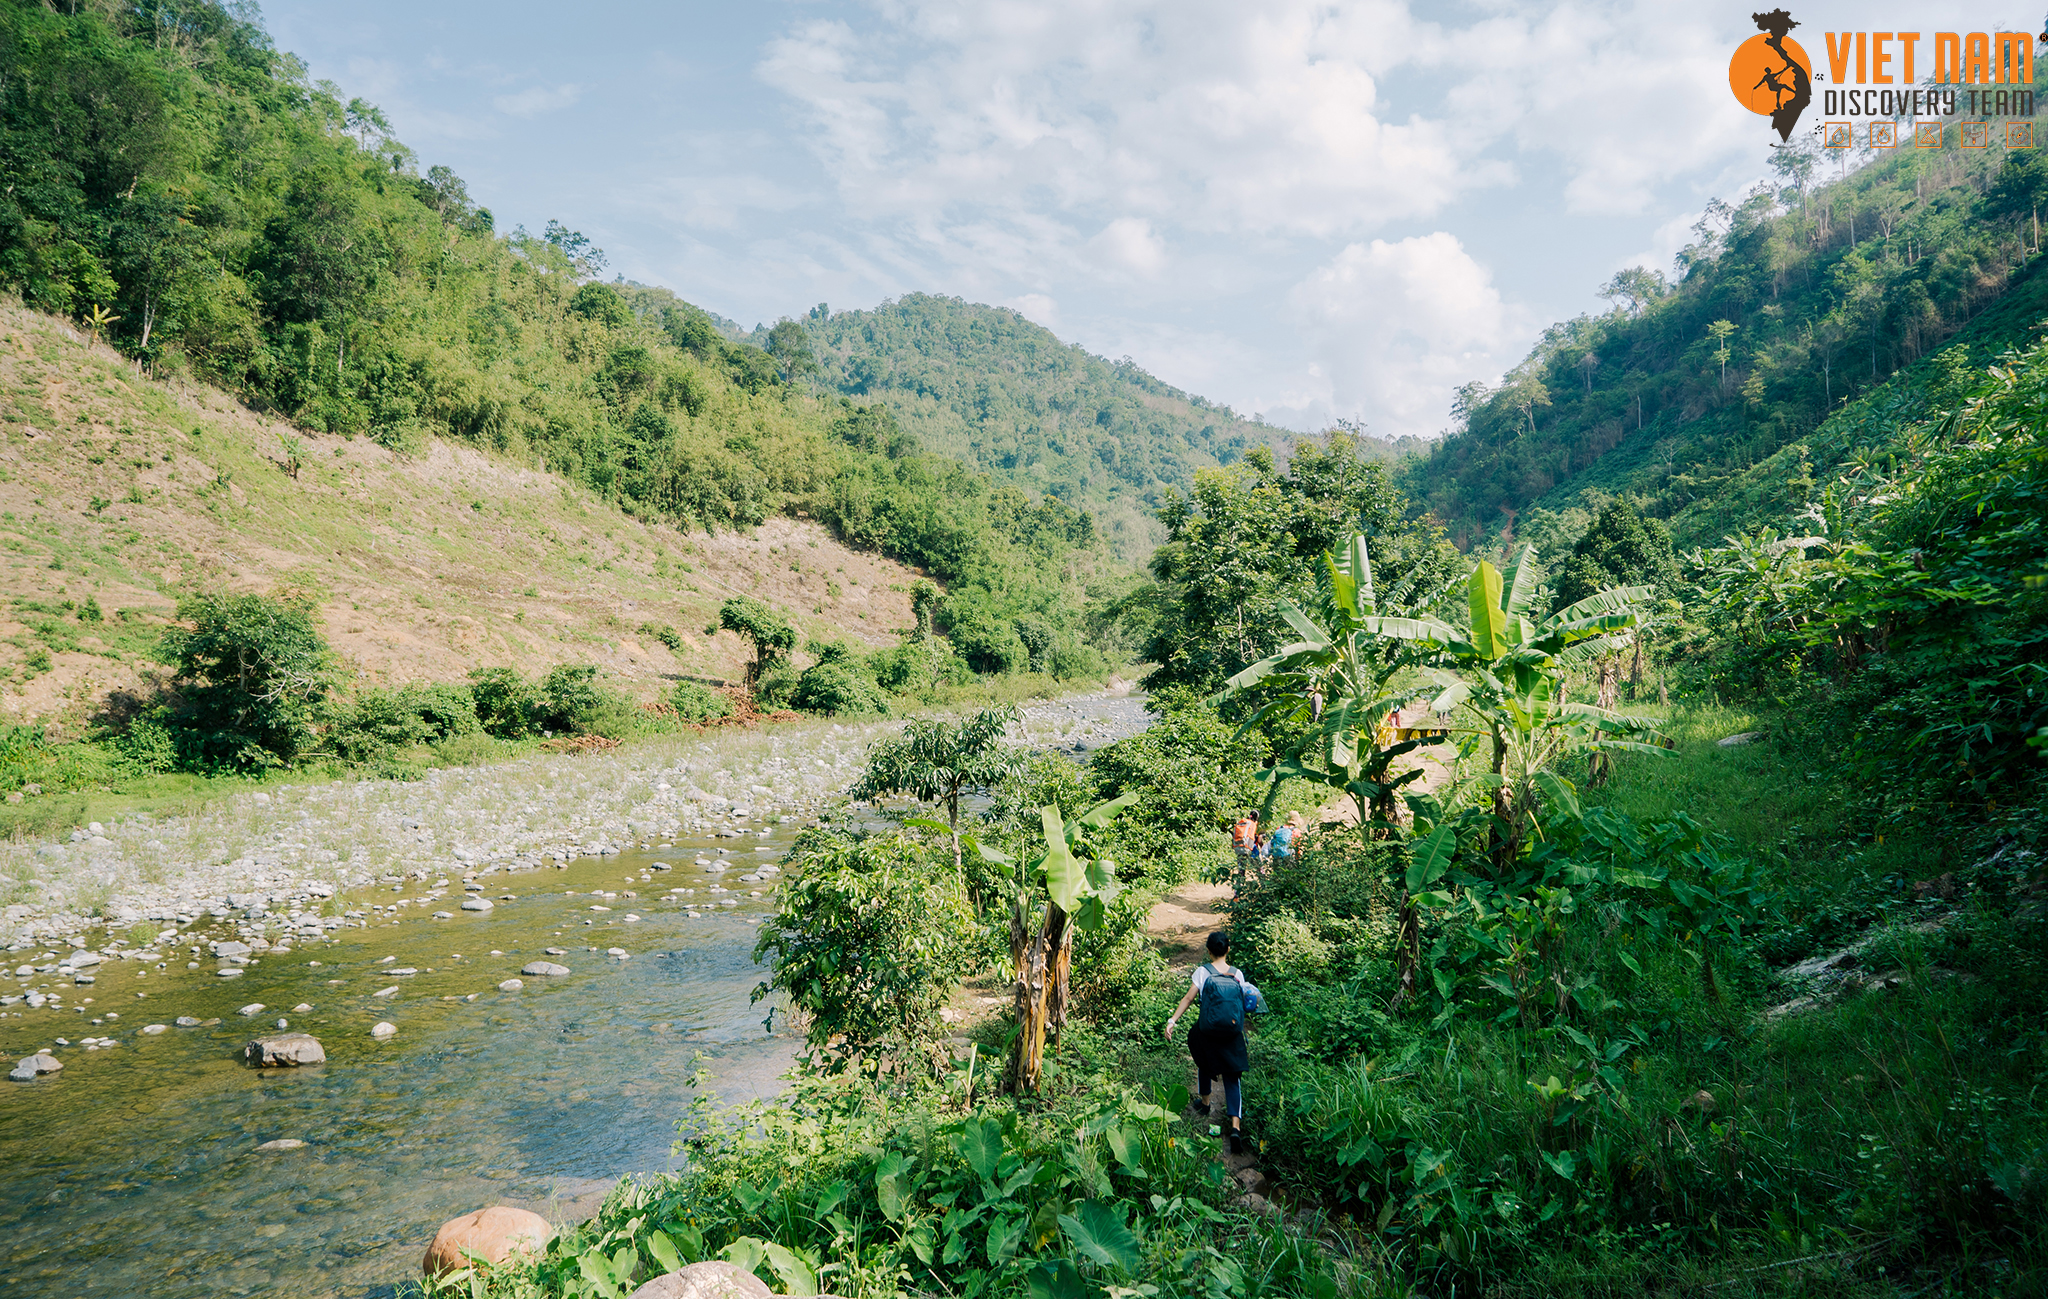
(1079, 884)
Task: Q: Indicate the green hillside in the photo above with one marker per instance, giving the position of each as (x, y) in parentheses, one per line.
(1006, 396)
(179, 189)
(1789, 305)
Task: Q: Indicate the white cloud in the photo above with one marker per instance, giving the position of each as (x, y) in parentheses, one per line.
(1038, 308)
(537, 100)
(1129, 244)
(1394, 327)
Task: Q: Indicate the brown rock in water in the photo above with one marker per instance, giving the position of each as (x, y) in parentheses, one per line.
(705, 1281)
(284, 1051)
(489, 1234)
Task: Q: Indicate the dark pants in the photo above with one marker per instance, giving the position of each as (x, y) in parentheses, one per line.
(1233, 1095)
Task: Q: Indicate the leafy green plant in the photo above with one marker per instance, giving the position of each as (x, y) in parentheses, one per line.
(935, 761)
(870, 937)
(252, 676)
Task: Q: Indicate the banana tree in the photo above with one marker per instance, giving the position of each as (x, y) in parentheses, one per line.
(1507, 676)
(1080, 884)
(1333, 692)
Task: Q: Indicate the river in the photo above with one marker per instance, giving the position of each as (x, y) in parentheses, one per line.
(134, 1171)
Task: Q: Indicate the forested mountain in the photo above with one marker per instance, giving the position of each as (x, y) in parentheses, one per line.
(177, 187)
(1009, 398)
(1788, 305)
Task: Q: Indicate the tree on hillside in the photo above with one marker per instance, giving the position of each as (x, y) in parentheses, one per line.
(936, 761)
(1252, 537)
(1622, 548)
(773, 639)
(790, 344)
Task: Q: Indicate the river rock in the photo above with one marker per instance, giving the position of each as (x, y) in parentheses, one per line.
(230, 973)
(228, 947)
(383, 1028)
(253, 1008)
(544, 968)
(556, 951)
(153, 1029)
(39, 1063)
(489, 1234)
(510, 985)
(282, 1143)
(712, 1280)
(187, 1021)
(284, 1051)
(477, 904)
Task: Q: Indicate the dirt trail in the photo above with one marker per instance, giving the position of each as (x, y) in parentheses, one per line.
(1179, 924)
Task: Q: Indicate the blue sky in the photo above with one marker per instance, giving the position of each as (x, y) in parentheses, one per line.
(1307, 210)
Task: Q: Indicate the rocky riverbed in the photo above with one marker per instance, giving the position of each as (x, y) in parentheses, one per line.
(428, 1071)
(287, 866)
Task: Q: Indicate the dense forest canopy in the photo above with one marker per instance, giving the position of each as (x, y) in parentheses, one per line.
(1786, 304)
(1007, 397)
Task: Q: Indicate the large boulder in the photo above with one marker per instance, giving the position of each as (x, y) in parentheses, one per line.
(539, 968)
(489, 1234)
(284, 1051)
(705, 1281)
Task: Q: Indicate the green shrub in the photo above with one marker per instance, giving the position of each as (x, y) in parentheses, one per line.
(252, 678)
(1196, 775)
(505, 702)
(835, 689)
(776, 684)
(379, 721)
(1070, 661)
(919, 665)
(1038, 637)
(569, 699)
(870, 936)
(148, 746)
(664, 633)
(990, 647)
(695, 702)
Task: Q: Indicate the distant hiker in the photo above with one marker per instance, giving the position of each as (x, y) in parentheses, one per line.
(1281, 844)
(1244, 836)
(1217, 1039)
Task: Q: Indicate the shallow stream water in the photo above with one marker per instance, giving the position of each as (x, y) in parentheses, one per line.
(134, 1170)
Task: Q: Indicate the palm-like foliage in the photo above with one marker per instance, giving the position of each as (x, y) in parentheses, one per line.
(1080, 882)
(1508, 679)
(933, 761)
(1333, 691)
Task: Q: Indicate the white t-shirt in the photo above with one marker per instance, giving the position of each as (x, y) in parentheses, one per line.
(1201, 976)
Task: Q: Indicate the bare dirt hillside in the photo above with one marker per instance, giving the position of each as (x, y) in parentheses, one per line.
(118, 493)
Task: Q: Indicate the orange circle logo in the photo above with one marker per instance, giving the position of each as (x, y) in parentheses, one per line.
(1764, 80)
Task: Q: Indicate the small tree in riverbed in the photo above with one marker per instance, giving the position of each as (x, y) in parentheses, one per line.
(935, 761)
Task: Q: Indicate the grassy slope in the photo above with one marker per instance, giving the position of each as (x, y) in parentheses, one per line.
(415, 581)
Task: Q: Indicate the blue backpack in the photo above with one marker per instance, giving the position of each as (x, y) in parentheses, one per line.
(1222, 1003)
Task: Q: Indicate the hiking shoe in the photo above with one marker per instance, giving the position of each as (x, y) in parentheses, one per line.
(1237, 1142)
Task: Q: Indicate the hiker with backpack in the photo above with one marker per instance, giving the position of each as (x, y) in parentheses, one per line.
(1217, 1039)
(1244, 836)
